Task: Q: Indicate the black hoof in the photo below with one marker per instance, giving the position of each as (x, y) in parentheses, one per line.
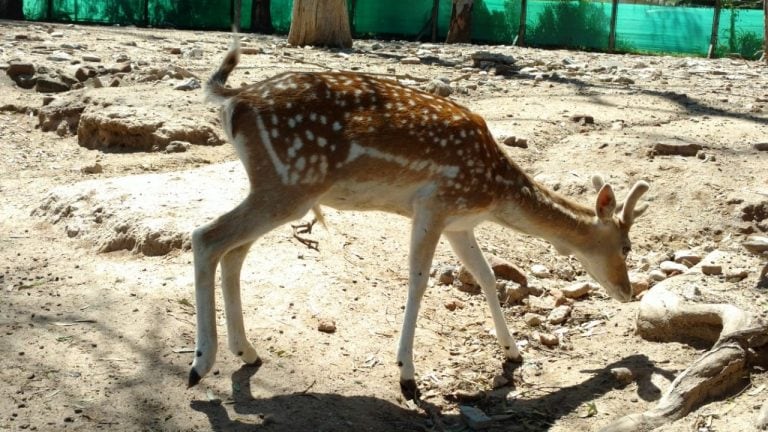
(255, 364)
(410, 391)
(517, 360)
(194, 378)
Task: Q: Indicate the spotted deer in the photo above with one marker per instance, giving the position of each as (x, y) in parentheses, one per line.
(361, 142)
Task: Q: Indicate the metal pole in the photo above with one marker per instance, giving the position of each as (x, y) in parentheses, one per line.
(715, 27)
(521, 29)
(435, 9)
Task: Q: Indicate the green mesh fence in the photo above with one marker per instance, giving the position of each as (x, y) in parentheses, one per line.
(549, 23)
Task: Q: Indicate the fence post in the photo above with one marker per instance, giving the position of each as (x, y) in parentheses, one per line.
(765, 30)
(612, 33)
(435, 9)
(521, 28)
(715, 27)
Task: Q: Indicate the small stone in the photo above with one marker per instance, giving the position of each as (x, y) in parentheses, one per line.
(623, 80)
(469, 288)
(535, 290)
(465, 276)
(173, 50)
(20, 68)
(91, 58)
(578, 290)
(474, 417)
(499, 381)
(540, 271)
(115, 82)
(60, 56)
(675, 149)
(50, 85)
(548, 339)
(532, 319)
(512, 292)
(657, 275)
(190, 84)
(453, 304)
(543, 303)
(736, 275)
(119, 68)
(438, 87)
(687, 257)
(410, 60)
(622, 375)
(756, 244)
(763, 146)
(691, 292)
(83, 73)
(671, 267)
(583, 119)
(446, 275)
(711, 269)
(326, 326)
(559, 314)
(639, 282)
(95, 168)
(504, 269)
(177, 147)
(95, 82)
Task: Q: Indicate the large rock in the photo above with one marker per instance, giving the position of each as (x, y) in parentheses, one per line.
(150, 214)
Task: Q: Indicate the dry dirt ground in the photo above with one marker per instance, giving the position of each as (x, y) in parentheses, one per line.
(97, 312)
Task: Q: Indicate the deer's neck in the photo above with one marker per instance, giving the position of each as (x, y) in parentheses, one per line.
(531, 208)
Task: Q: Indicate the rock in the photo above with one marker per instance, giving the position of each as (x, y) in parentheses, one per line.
(711, 269)
(60, 56)
(479, 57)
(91, 58)
(446, 275)
(438, 87)
(578, 290)
(465, 277)
(657, 275)
(61, 111)
(20, 68)
(499, 381)
(410, 60)
(760, 146)
(504, 269)
(453, 304)
(474, 417)
(540, 271)
(532, 319)
(639, 282)
(671, 267)
(549, 339)
(622, 375)
(469, 288)
(46, 84)
(543, 303)
(583, 119)
(511, 292)
(736, 275)
(115, 82)
(95, 82)
(559, 314)
(675, 149)
(83, 73)
(94, 168)
(119, 68)
(326, 326)
(535, 290)
(687, 257)
(623, 80)
(756, 244)
(189, 84)
(177, 147)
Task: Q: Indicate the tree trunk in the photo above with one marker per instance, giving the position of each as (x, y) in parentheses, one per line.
(320, 23)
(12, 9)
(715, 27)
(460, 29)
(261, 17)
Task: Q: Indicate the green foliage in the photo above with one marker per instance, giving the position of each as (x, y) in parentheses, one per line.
(497, 26)
(748, 45)
(579, 24)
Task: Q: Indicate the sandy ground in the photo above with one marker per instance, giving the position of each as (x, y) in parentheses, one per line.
(102, 340)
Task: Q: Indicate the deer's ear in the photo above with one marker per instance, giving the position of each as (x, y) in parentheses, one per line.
(606, 203)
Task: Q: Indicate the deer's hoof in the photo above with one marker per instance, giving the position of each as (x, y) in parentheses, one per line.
(194, 378)
(410, 391)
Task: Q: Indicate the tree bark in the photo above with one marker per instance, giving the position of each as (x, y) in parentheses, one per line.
(12, 9)
(715, 27)
(460, 29)
(320, 23)
(261, 17)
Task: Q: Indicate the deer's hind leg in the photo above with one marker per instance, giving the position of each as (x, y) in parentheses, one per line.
(227, 239)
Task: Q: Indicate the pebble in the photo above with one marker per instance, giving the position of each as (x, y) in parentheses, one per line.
(711, 269)
(760, 146)
(559, 314)
(756, 244)
(177, 147)
(446, 275)
(438, 87)
(20, 68)
(410, 60)
(622, 375)
(549, 339)
(540, 271)
(453, 304)
(578, 290)
(50, 85)
(532, 319)
(657, 275)
(511, 292)
(675, 149)
(671, 267)
(499, 381)
(687, 257)
(583, 119)
(59, 56)
(115, 82)
(736, 275)
(474, 417)
(326, 326)
(94, 168)
(190, 84)
(91, 58)
(504, 269)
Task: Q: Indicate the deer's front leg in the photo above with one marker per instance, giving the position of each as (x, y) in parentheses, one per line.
(231, 265)
(465, 246)
(205, 272)
(425, 234)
